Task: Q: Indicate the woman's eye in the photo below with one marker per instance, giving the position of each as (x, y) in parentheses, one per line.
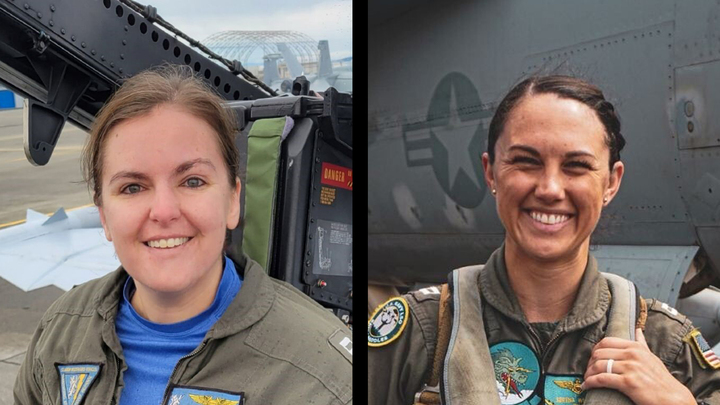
(131, 189)
(524, 160)
(579, 165)
(194, 182)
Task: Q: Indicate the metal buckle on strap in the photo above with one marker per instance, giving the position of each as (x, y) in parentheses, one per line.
(426, 388)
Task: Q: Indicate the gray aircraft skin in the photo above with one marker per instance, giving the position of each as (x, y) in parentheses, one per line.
(437, 73)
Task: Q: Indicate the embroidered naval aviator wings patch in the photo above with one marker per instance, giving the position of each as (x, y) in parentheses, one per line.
(75, 380)
(387, 322)
(563, 389)
(204, 396)
(702, 350)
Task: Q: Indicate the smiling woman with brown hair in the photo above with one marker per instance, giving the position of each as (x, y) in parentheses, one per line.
(530, 326)
(180, 322)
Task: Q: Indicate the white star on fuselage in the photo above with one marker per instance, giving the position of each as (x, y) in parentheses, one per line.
(456, 137)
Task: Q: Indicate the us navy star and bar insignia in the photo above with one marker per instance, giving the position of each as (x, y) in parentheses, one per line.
(204, 396)
(702, 350)
(387, 322)
(75, 380)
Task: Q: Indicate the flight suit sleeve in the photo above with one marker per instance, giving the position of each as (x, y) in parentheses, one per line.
(674, 339)
(398, 369)
(27, 389)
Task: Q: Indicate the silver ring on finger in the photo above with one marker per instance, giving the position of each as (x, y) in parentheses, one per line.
(608, 369)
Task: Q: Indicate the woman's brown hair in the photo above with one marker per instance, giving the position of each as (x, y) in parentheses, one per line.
(139, 95)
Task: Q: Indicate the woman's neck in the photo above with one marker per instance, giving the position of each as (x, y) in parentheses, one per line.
(177, 306)
(545, 290)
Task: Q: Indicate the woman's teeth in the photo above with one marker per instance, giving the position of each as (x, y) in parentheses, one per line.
(549, 219)
(167, 243)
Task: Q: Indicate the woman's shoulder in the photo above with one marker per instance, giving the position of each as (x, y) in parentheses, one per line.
(666, 330)
(299, 332)
(297, 309)
(84, 299)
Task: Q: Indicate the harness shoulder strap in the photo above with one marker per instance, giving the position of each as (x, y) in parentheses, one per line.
(430, 393)
(622, 320)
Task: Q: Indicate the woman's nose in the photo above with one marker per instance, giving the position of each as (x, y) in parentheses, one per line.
(165, 205)
(551, 185)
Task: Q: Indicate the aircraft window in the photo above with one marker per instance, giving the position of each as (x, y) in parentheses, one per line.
(344, 85)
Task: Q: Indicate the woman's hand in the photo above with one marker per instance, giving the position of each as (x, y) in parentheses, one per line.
(636, 372)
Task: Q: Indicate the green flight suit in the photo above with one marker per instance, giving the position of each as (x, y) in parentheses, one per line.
(551, 363)
(273, 343)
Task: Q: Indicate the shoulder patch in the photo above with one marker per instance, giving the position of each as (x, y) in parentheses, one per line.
(704, 354)
(342, 343)
(427, 293)
(658, 306)
(75, 380)
(387, 322)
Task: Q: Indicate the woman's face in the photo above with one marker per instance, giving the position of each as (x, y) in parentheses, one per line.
(551, 175)
(166, 200)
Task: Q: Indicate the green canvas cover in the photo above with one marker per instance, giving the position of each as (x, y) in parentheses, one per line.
(264, 142)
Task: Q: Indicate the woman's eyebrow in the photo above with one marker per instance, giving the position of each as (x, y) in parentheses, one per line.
(579, 153)
(126, 174)
(183, 167)
(534, 152)
(525, 148)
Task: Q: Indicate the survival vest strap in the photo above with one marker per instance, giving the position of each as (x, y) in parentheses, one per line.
(430, 393)
(627, 308)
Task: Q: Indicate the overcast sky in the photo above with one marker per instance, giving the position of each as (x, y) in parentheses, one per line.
(319, 19)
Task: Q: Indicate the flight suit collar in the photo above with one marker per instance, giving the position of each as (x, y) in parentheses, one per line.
(590, 306)
(249, 306)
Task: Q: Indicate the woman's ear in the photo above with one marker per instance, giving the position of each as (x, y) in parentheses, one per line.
(104, 223)
(614, 184)
(233, 218)
(488, 173)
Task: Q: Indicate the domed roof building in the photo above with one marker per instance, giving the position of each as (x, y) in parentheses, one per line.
(285, 55)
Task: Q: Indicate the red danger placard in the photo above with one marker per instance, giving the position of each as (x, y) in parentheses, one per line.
(338, 176)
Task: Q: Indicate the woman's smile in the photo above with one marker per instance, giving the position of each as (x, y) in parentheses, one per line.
(548, 222)
(167, 243)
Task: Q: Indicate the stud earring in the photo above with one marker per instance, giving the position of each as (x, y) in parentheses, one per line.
(605, 199)
(494, 191)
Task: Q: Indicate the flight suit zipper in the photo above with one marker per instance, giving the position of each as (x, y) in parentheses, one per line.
(187, 356)
(547, 347)
(544, 350)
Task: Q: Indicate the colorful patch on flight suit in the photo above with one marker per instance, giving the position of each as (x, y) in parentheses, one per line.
(517, 372)
(387, 322)
(702, 350)
(563, 390)
(75, 380)
(204, 396)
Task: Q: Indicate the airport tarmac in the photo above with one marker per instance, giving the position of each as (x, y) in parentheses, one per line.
(44, 189)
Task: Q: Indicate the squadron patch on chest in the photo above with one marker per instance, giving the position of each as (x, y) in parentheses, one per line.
(704, 354)
(563, 389)
(387, 322)
(75, 380)
(517, 372)
(205, 396)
